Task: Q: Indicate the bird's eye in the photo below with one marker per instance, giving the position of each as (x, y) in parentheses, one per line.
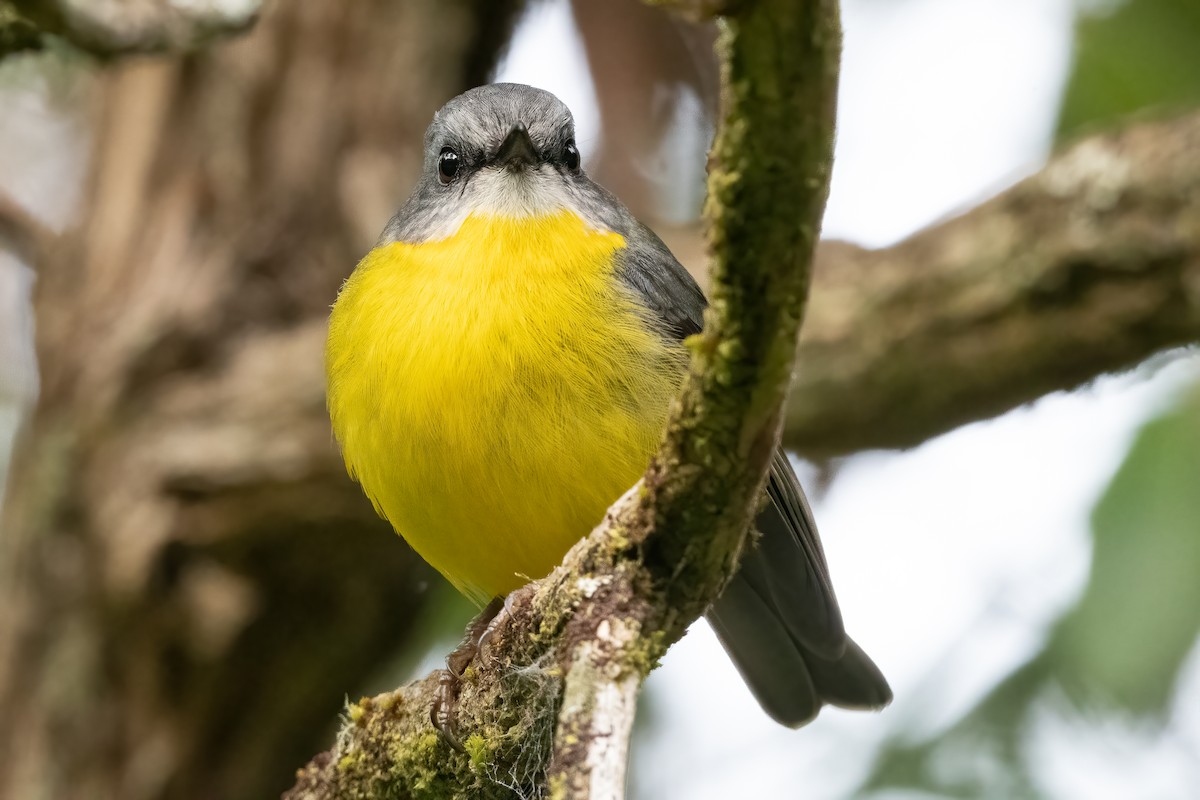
(571, 155)
(448, 165)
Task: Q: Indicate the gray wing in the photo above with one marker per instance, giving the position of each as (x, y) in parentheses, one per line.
(645, 264)
(667, 289)
(778, 619)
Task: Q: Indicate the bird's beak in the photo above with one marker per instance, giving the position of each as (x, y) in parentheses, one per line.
(517, 149)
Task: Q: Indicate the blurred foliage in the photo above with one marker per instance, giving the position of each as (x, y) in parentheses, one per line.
(1140, 614)
(1141, 56)
(1113, 660)
(1118, 652)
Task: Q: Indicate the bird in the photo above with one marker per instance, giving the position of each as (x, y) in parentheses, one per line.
(500, 368)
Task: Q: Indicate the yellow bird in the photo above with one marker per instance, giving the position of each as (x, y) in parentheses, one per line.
(499, 371)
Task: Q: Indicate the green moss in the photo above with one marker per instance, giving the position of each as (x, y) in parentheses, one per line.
(649, 650)
(418, 764)
(477, 750)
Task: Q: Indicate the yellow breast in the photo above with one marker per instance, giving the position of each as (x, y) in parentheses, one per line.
(495, 391)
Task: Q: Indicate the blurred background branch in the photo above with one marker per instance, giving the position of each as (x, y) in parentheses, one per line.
(1088, 267)
(121, 27)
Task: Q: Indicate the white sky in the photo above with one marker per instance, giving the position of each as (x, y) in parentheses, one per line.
(949, 560)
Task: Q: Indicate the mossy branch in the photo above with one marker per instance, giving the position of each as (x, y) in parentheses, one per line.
(547, 708)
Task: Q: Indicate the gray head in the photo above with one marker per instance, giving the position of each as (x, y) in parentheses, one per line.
(505, 149)
(504, 126)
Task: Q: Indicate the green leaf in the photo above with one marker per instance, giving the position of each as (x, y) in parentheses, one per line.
(1142, 56)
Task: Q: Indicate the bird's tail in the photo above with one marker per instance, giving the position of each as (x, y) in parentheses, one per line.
(790, 681)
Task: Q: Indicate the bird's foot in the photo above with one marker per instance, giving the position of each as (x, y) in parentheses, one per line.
(441, 714)
(497, 620)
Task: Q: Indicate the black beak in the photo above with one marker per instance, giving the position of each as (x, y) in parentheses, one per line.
(517, 149)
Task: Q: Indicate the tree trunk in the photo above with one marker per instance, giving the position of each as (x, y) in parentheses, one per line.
(191, 584)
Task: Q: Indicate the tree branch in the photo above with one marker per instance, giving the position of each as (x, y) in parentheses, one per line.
(114, 27)
(1090, 266)
(575, 646)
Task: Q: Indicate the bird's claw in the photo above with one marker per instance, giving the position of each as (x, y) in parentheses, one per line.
(441, 713)
(493, 625)
(445, 699)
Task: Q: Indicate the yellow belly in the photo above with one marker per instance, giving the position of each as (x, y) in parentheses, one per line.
(495, 392)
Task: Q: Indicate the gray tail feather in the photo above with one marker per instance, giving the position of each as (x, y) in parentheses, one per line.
(790, 681)
(779, 619)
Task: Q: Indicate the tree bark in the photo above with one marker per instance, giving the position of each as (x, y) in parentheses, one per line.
(190, 581)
